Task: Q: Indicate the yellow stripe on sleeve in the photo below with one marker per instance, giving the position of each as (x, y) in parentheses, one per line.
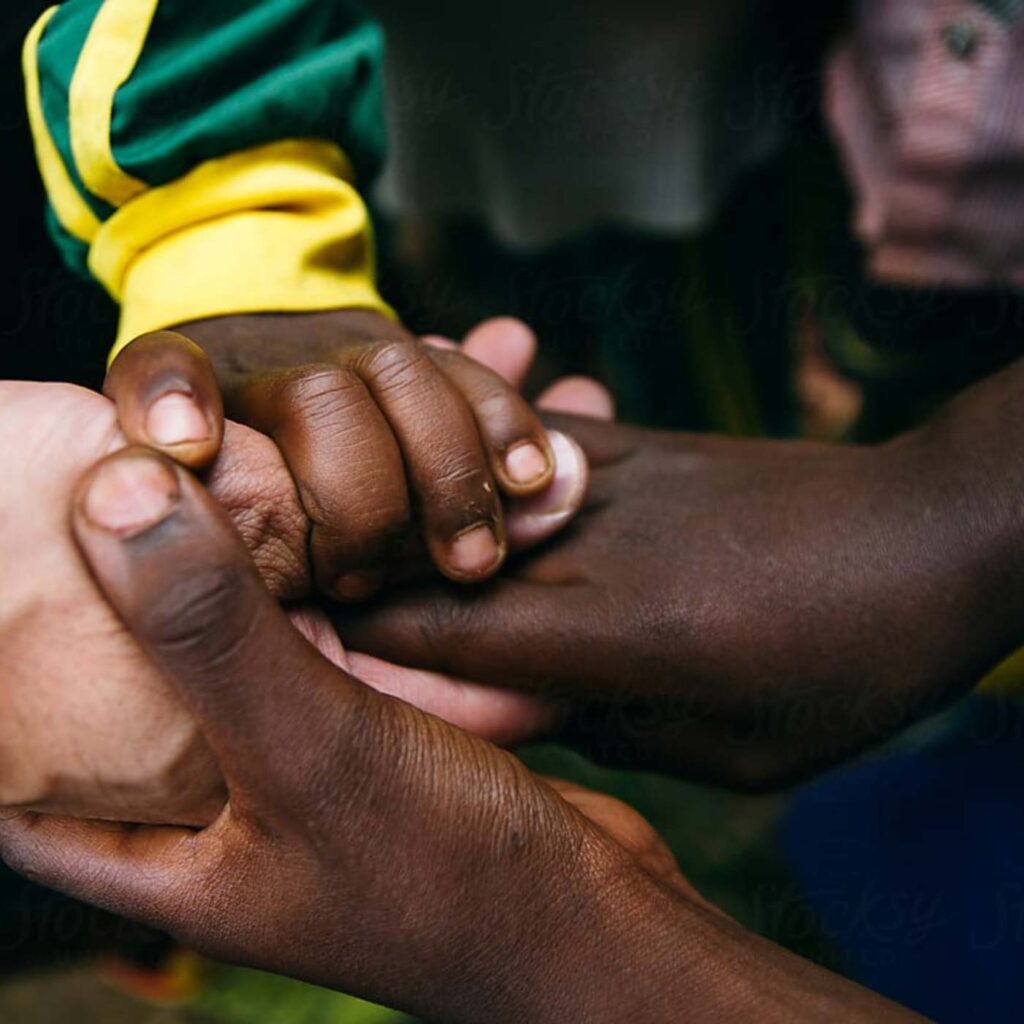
(108, 58)
(276, 228)
(71, 209)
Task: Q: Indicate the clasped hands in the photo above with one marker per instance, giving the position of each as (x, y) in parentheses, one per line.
(407, 805)
(346, 837)
(91, 729)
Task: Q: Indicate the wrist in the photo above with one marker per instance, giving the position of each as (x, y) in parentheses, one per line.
(639, 955)
(605, 942)
(642, 950)
(970, 465)
(254, 342)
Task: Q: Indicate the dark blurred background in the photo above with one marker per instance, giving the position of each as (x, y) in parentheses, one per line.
(53, 325)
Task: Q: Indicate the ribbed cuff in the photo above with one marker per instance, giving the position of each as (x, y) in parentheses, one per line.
(275, 229)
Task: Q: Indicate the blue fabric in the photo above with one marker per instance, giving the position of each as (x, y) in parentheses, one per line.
(914, 866)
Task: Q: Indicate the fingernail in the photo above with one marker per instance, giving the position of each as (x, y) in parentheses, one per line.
(437, 341)
(475, 551)
(526, 463)
(131, 495)
(176, 419)
(358, 586)
(530, 520)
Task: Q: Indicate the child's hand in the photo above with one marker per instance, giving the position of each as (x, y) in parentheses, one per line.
(378, 429)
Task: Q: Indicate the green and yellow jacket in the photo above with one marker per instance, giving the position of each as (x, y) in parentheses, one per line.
(201, 159)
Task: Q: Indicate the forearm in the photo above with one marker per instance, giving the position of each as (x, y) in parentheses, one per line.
(659, 956)
(969, 462)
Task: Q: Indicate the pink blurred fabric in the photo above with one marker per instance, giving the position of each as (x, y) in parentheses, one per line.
(926, 101)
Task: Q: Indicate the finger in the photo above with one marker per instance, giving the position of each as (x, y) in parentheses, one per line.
(167, 398)
(516, 442)
(579, 396)
(142, 873)
(602, 442)
(506, 346)
(314, 625)
(498, 716)
(346, 463)
(447, 467)
(506, 636)
(252, 483)
(438, 341)
(531, 521)
(528, 521)
(172, 566)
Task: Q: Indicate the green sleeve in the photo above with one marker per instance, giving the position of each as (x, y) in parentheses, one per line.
(212, 79)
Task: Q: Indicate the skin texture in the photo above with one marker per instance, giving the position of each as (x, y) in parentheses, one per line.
(368, 846)
(90, 727)
(440, 439)
(749, 612)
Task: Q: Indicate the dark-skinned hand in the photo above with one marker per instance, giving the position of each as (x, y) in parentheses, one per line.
(368, 846)
(388, 439)
(89, 727)
(745, 611)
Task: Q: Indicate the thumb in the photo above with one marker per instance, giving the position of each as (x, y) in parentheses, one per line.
(167, 398)
(170, 563)
(531, 521)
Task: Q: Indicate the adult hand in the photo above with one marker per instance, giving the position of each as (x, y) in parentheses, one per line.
(747, 611)
(370, 847)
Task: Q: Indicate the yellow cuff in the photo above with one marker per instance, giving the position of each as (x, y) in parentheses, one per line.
(277, 228)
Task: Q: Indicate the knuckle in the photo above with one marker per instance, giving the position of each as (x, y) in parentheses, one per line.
(461, 488)
(450, 623)
(461, 469)
(500, 411)
(317, 392)
(162, 359)
(201, 613)
(392, 364)
(363, 508)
